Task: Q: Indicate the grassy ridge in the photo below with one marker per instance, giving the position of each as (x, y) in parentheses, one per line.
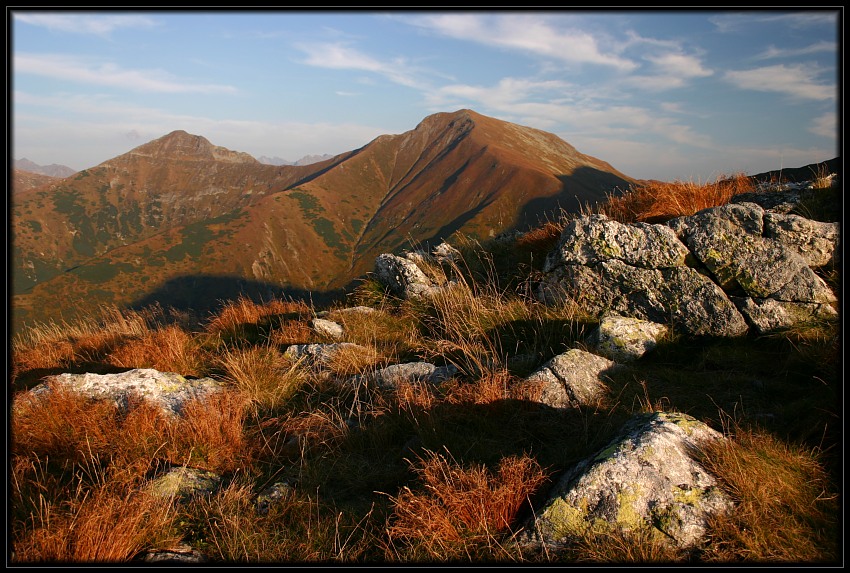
(420, 473)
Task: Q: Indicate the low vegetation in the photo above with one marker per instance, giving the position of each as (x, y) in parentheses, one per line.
(418, 473)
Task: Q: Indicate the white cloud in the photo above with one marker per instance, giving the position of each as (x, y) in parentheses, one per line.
(341, 57)
(741, 21)
(774, 52)
(84, 23)
(525, 33)
(796, 81)
(79, 70)
(825, 125)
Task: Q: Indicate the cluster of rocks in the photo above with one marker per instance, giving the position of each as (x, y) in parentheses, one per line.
(721, 272)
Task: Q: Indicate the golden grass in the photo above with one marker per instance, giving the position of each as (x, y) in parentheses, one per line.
(244, 311)
(659, 201)
(459, 509)
(64, 424)
(786, 508)
(99, 526)
(167, 349)
(262, 374)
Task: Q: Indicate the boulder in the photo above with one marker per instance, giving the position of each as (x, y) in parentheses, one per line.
(167, 390)
(572, 379)
(646, 479)
(403, 277)
(624, 339)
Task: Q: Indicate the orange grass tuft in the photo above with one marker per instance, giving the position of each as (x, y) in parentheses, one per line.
(462, 506)
(168, 349)
(659, 201)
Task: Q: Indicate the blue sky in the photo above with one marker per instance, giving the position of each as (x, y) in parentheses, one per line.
(689, 95)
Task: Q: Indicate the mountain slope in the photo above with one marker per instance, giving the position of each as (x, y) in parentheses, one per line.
(173, 217)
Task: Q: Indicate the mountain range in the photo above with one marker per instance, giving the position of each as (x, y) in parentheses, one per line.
(186, 223)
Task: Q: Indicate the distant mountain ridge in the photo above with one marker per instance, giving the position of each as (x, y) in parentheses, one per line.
(52, 170)
(306, 160)
(184, 222)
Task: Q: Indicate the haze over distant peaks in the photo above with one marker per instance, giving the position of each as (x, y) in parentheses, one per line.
(306, 160)
(52, 170)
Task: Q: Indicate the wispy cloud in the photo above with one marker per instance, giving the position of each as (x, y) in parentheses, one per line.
(741, 21)
(77, 23)
(80, 70)
(825, 125)
(525, 33)
(342, 57)
(671, 70)
(795, 81)
(819, 47)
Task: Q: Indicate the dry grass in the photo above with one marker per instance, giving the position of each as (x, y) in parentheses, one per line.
(786, 508)
(98, 526)
(235, 315)
(262, 374)
(460, 511)
(64, 425)
(658, 201)
(167, 349)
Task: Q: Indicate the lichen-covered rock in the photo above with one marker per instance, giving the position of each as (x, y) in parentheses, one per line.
(646, 479)
(729, 241)
(767, 315)
(395, 374)
(403, 277)
(572, 379)
(182, 483)
(624, 339)
(595, 239)
(182, 554)
(677, 295)
(815, 241)
(167, 390)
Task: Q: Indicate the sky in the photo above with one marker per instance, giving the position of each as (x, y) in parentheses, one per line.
(689, 95)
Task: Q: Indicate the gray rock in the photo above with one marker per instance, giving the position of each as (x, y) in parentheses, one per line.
(181, 554)
(572, 379)
(728, 241)
(167, 390)
(393, 375)
(815, 241)
(595, 239)
(768, 315)
(677, 295)
(318, 355)
(625, 339)
(645, 480)
(272, 495)
(328, 328)
(403, 277)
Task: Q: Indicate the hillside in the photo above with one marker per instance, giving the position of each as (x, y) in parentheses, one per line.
(179, 215)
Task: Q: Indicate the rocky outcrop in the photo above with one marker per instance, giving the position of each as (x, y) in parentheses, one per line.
(167, 390)
(718, 272)
(647, 479)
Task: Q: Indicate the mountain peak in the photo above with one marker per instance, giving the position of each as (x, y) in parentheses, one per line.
(185, 146)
